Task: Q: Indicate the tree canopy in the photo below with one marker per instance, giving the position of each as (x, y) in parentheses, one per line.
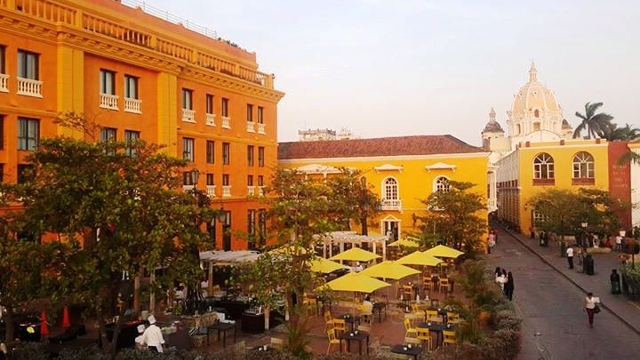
(595, 125)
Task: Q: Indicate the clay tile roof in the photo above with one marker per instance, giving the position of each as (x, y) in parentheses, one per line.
(389, 146)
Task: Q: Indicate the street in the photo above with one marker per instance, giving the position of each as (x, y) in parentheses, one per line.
(554, 323)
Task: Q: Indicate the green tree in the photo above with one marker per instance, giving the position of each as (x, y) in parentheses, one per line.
(626, 133)
(352, 199)
(458, 216)
(119, 200)
(596, 125)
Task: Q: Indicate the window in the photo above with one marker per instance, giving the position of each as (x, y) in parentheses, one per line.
(25, 173)
(262, 225)
(226, 153)
(131, 137)
(1, 133)
(1, 173)
(260, 115)
(210, 179)
(250, 155)
(261, 156)
(543, 166)
(108, 135)
(130, 87)
(28, 65)
(583, 166)
(442, 184)
(28, 133)
(250, 180)
(209, 104)
(260, 180)
(225, 180)
(390, 186)
(187, 99)
(211, 152)
(187, 149)
(107, 82)
(188, 178)
(249, 113)
(536, 113)
(225, 107)
(2, 61)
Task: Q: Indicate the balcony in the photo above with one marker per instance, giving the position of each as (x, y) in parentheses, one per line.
(188, 188)
(108, 101)
(210, 119)
(29, 87)
(188, 115)
(226, 190)
(226, 122)
(251, 127)
(133, 105)
(261, 128)
(394, 204)
(260, 190)
(251, 190)
(4, 80)
(492, 204)
(211, 191)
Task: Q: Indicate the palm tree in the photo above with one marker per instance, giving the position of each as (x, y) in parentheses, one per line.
(626, 133)
(596, 125)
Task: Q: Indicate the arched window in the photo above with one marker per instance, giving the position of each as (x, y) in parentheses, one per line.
(442, 184)
(390, 186)
(543, 166)
(536, 113)
(583, 166)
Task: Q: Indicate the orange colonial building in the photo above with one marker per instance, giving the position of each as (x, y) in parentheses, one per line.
(139, 76)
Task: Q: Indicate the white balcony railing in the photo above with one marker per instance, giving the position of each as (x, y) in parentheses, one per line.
(492, 204)
(251, 127)
(211, 190)
(210, 119)
(261, 129)
(4, 81)
(261, 190)
(187, 188)
(188, 115)
(393, 204)
(133, 105)
(251, 190)
(226, 190)
(108, 101)
(226, 122)
(29, 87)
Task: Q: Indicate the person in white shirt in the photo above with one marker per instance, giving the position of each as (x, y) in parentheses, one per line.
(590, 303)
(152, 336)
(618, 243)
(570, 257)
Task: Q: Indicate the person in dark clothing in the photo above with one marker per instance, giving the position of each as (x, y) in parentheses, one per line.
(509, 286)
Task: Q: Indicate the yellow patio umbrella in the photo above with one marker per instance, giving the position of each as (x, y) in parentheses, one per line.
(405, 243)
(443, 251)
(389, 270)
(322, 265)
(419, 258)
(355, 254)
(356, 282)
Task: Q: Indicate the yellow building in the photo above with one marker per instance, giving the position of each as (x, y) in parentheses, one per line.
(539, 152)
(139, 76)
(401, 170)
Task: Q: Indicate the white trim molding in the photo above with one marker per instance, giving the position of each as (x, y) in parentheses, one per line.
(389, 167)
(440, 166)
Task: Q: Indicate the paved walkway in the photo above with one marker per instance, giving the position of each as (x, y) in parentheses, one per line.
(618, 305)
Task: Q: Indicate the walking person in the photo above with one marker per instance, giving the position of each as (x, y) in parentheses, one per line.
(509, 286)
(590, 303)
(570, 256)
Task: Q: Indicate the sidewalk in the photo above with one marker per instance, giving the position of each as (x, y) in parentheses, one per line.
(618, 305)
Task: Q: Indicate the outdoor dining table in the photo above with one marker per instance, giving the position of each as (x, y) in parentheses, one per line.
(355, 336)
(442, 312)
(349, 319)
(222, 327)
(262, 349)
(406, 350)
(438, 328)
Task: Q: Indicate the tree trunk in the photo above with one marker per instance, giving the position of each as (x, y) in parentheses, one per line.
(8, 319)
(136, 292)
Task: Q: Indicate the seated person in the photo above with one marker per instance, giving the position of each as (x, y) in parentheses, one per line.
(367, 301)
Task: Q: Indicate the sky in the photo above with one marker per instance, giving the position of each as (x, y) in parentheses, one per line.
(419, 67)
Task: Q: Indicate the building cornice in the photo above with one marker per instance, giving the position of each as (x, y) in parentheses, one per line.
(387, 158)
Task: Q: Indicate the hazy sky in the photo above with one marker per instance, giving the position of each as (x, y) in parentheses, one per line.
(412, 67)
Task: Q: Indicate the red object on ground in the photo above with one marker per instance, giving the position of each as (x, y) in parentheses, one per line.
(44, 327)
(65, 318)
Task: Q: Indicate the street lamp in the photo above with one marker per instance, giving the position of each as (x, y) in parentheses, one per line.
(195, 175)
(584, 233)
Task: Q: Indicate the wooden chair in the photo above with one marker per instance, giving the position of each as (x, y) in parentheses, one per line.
(453, 317)
(444, 285)
(449, 337)
(409, 329)
(333, 341)
(424, 335)
(339, 325)
(407, 291)
(432, 315)
(277, 343)
(311, 305)
(328, 320)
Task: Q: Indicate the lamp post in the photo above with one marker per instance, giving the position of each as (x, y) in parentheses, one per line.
(365, 206)
(584, 233)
